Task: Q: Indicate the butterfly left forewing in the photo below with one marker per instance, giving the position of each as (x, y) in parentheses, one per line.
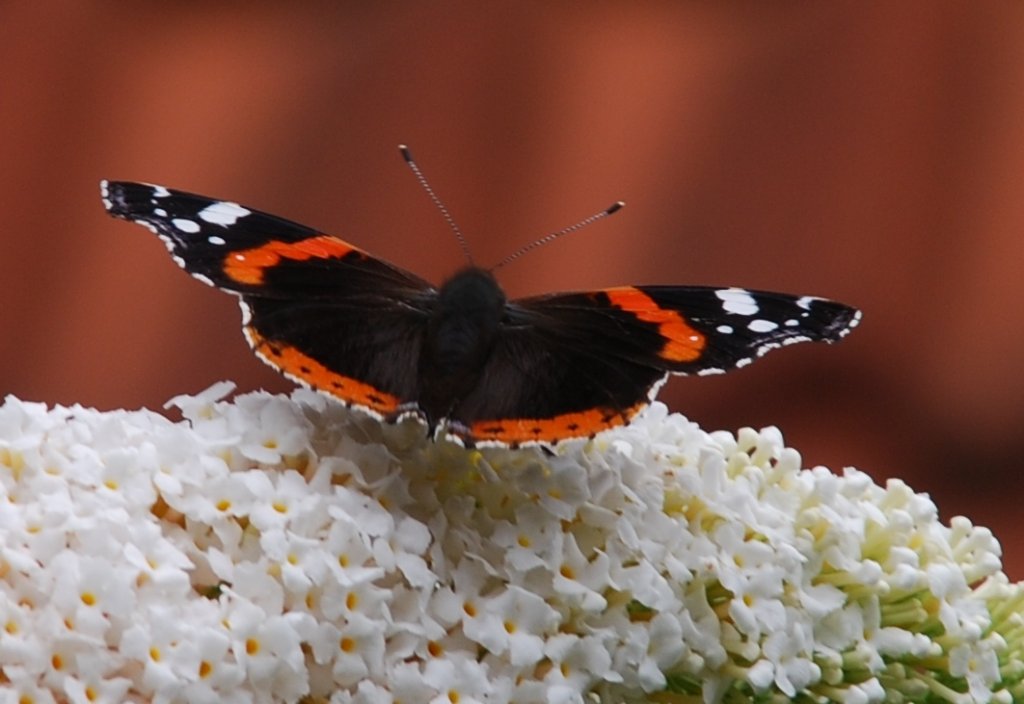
(244, 250)
(320, 310)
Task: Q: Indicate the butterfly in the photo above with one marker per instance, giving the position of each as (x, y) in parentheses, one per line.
(471, 364)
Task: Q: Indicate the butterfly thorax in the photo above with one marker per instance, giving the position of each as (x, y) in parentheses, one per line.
(460, 336)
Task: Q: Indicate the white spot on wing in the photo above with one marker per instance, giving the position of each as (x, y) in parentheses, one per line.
(152, 228)
(189, 226)
(724, 329)
(652, 393)
(737, 300)
(854, 322)
(223, 213)
(105, 194)
(214, 240)
(246, 317)
(806, 301)
(160, 192)
(760, 325)
(160, 211)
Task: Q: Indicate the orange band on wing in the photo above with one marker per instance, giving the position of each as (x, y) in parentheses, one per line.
(683, 343)
(568, 425)
(305, 369)
(246, 266)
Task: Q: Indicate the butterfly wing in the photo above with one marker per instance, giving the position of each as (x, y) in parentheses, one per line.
(320, 310)
(573, 364)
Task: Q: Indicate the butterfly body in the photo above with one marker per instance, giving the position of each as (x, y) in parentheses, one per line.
(460, 337)
(461, 357)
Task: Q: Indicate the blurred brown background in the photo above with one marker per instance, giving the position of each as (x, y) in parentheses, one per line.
(869, 152)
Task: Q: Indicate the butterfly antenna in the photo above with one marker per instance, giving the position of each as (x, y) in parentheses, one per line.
(407, 155)
(614, 208)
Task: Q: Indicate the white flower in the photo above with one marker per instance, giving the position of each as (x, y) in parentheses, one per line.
(464, 680)
(90, 591)
(580, 579)
(90, 689)
(282, 499)
(269, 549)
(161, 565)
(217, 677)
(268, 648)
(405, 683)
(160, 642)
(529, 540)
(356, 648)
(577, 663)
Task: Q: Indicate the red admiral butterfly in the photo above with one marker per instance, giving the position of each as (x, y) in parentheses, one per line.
(462, 358)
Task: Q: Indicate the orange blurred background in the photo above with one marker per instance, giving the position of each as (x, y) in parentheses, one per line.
(868, 152)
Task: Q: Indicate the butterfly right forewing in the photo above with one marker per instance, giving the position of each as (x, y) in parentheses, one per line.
(573, 364)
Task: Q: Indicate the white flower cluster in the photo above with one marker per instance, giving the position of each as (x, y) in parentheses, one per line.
(283, 549)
